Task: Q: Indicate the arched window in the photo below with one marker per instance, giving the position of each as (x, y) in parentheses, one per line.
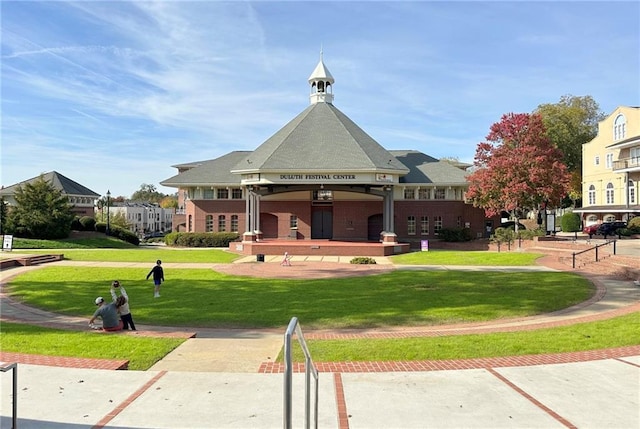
(222, 223)
(591, 219)
(609, 193)
(609, 218)
(631, 189)
(208, 223)
(592, 195)
(619, 127)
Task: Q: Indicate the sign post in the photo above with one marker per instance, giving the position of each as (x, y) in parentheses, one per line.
(7, 243)
(424, 245)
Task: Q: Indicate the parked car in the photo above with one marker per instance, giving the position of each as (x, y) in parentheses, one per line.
(591, 230)
(610, 228)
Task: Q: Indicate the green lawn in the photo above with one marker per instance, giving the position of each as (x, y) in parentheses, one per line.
(447, 257)
(97, 242)
(146, 254)
(617, 332)
(142, 352)
(203, 297)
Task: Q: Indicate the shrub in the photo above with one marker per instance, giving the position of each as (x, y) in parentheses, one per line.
(75, 224)
(634, 223)
(363, 260)
(503, 235)
(570, 222)
(625, 232)
(528, 234)
(200, 239)
(124, 235)
(455, 234)
(101, 227)
(88, 223)
(171, 238)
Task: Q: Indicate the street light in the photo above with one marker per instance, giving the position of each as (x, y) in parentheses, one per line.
(108, 201)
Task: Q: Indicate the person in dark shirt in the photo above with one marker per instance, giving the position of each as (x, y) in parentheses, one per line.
(158, 277)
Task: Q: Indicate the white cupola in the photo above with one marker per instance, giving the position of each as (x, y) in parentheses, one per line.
(321, 83)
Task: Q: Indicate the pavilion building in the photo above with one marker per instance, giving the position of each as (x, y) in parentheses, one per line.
(321, 177)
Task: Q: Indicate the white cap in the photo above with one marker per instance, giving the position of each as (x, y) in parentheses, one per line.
(99, 300)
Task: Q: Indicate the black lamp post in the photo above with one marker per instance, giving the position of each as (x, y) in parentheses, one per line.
(108, 203)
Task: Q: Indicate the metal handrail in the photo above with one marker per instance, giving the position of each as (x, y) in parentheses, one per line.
(14, 413)
(310, 369)
(573, 265)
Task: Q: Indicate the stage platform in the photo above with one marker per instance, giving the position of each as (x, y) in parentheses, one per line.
(317, 247)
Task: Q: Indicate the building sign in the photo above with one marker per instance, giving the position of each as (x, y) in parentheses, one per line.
(7, 243)
(387, 178)
(255, 177)
(424, 245)
(299, 178)
(324, 177)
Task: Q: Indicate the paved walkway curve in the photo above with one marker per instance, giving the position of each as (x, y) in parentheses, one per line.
(612, 298)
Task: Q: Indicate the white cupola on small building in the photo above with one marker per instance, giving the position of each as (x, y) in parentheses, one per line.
(321, 83)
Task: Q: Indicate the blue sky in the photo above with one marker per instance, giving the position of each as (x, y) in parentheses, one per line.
(111, 94)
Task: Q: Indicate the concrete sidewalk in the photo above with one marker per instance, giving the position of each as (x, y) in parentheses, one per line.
(595, 394)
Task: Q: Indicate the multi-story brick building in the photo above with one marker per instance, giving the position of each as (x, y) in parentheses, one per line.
(323, 177)
(611, 169)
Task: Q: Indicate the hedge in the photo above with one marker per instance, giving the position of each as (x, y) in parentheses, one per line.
(200, 239)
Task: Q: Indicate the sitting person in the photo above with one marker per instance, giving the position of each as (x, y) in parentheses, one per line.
(109, 314)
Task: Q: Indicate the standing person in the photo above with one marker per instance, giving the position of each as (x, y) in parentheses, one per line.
(108, 313)
(158, 277)
(125, 312)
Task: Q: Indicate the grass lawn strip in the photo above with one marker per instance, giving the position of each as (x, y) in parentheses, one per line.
(205, 298)
(616, 332)
(147, 254)
(142, 352)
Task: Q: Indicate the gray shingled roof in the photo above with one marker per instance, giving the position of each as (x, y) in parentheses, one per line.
(321, 138)
(58, 181)
(206, 173)
(426, 169)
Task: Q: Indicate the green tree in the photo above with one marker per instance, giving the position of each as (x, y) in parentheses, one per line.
(147, 194)
(41, 211)
(3, 215)
(570, 123)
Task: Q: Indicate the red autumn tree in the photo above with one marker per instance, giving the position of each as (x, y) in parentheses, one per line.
(517, 168)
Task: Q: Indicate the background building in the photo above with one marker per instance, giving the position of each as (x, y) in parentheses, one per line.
(82, 198)
(611, 169)
(144, 218)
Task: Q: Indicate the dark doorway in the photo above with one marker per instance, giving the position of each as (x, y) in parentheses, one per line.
(269, 225)
(322, 223)
(374, 227)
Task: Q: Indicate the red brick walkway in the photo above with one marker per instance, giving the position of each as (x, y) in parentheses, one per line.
(63, 361)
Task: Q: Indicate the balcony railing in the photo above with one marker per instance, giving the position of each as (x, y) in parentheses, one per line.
(632, 164)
